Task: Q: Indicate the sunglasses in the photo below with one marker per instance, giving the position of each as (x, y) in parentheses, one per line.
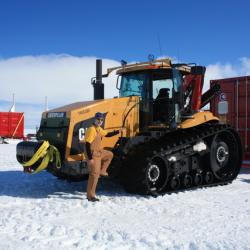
(99, 119)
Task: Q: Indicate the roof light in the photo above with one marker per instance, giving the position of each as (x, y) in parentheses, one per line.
(123, 63)
(151, 57)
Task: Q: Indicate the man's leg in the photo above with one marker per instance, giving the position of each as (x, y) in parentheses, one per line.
(106, 158)
(93, 177)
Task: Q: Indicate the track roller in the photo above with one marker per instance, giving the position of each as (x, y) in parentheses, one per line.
(198, 179)
(156, 174)
(187, 181)
(175, 183)
(209, 178)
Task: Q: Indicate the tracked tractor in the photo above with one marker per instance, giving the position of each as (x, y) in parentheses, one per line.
(169, 143)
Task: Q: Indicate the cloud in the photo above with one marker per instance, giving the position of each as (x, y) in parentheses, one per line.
(66, 79)
(63, 78)
(227, 70)
(245, 65)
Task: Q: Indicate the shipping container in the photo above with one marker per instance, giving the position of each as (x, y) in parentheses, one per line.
(235, 97)
(12, 125)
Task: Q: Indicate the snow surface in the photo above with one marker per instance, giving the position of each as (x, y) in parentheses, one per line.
(42, 212)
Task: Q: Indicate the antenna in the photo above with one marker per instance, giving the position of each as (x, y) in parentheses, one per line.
(178, 56)
(159, 43)
(13, 107)
(46, 104)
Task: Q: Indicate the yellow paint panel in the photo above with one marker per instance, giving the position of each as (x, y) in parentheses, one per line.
(198, 118)
(120, 112)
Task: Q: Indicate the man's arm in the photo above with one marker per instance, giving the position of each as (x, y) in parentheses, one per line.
(110, 134)
(115, 132)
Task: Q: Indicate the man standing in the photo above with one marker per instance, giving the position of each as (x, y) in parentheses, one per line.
(98, 159)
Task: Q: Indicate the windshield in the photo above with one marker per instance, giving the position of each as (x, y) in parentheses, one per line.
(133, 84)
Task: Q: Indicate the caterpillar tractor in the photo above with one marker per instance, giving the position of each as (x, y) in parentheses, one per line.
(168, 143)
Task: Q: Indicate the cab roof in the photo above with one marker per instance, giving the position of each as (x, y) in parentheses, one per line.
(164, 63)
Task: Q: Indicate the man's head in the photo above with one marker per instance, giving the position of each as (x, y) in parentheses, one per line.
(99, 117)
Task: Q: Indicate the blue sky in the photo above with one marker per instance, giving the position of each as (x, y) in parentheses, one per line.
(49, 47)
(193, 31)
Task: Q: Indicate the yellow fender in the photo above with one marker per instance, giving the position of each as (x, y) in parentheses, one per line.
(198, 118)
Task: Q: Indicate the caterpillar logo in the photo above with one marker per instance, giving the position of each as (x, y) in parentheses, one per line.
(82, 132)
(223, 97)
(56, 115)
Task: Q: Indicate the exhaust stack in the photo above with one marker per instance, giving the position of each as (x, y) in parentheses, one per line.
(97, 84)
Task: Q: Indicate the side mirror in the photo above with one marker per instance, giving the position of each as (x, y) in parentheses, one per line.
(223, 108)
(117, 82)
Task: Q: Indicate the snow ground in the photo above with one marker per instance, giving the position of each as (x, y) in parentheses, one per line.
(42, 212)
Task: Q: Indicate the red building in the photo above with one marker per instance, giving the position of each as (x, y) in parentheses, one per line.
(12, 125)
(235, 96)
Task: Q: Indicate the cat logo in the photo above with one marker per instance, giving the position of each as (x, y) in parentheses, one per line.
(82, 134)
(223, 97)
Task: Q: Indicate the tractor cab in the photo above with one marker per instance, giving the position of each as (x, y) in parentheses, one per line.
(159, 90)
(169, 94)
(159, 84)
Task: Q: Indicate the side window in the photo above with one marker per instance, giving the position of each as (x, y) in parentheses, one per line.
(177, 78)
(159, 85)
(133, 84)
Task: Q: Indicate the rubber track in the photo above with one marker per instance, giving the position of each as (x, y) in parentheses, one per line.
(214, 184)
(192, 136)
(180, 139)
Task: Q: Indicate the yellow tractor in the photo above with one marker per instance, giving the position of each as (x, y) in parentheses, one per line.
(169, 143)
